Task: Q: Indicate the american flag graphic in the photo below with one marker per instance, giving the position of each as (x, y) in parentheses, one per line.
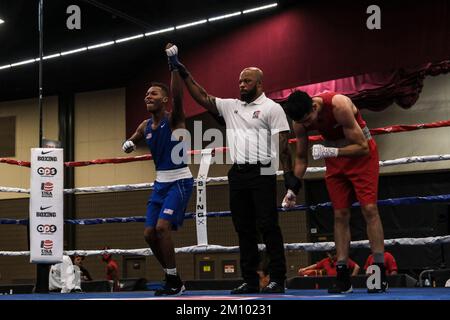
(47, 186)
(47, 244)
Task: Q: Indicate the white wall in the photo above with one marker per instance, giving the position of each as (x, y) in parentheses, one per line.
(27, 137)
(433, 105)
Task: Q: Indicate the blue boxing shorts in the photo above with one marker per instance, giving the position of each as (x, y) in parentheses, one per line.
(168, 201)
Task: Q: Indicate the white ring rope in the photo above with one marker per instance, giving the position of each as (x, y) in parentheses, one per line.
(146, 186)
(119, 187)
(415, 159)
(309, 246)
(14, 190)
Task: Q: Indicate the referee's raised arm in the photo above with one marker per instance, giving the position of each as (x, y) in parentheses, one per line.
(197, 92)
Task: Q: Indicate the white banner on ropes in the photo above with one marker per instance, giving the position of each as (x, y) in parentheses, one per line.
(46, 205)
(200, 209)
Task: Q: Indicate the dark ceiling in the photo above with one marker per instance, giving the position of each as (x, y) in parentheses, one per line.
(102, 21)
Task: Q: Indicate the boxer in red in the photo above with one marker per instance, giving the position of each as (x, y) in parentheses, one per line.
(351, 159)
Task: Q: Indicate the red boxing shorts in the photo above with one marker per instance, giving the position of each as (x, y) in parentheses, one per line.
(350, 179)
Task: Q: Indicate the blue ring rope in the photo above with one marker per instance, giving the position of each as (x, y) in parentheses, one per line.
(386, 202)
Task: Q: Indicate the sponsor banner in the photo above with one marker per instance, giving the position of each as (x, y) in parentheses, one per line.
(46, 205)
(200, 212)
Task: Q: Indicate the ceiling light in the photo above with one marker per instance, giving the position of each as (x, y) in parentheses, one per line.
(22, 62)
(159, 31)
(225, 16)
(261, 8)
(51, 56)
(73, 51)
(130, 38)
(187, 25)
(100, 45)
(138, 36)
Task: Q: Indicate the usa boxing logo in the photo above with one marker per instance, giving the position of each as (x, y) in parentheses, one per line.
(46, 189)
(46, 228)
(46, 171)
(46, 247)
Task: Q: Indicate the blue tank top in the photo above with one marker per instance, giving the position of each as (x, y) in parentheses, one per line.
(161, 145)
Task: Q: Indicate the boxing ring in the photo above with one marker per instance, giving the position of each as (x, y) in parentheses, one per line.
(394, 294)
(203, 246)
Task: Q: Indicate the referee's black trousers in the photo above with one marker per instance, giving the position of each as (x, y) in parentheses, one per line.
(253, 204)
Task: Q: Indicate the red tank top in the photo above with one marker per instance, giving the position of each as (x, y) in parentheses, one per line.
(326, 123)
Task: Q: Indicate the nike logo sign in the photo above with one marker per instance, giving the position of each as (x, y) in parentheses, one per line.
(162, 126)
(45, 208)
(46, 152)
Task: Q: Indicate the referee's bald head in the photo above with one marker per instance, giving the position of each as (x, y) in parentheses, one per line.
(257, 72)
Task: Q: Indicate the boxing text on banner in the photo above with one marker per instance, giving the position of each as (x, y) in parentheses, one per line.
(46, 205)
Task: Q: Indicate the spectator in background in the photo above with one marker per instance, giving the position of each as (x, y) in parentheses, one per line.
(389, 263)
(264, 278)
(64, 277)
(327, 266)
(84, 273)
(112, 270)
(263, 271)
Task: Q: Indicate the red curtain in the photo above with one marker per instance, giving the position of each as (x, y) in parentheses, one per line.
(375, 91)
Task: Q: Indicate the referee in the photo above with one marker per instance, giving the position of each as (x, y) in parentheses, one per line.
(253, 124)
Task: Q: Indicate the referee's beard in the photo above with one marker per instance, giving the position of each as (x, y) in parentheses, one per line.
(248, 96)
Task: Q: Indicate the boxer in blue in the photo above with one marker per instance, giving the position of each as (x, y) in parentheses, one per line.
(173, 184)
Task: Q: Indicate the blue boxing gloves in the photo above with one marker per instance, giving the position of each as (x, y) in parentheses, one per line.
(174, 63)
(291, 182)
